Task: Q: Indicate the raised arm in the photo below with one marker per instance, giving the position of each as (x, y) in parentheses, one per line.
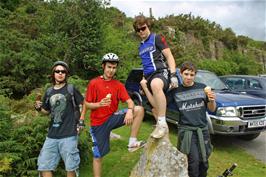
(211, 104)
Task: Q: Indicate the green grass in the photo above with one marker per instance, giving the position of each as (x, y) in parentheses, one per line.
(119, 163)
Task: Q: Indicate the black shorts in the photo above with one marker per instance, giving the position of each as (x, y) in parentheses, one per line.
(101, 134)
(161, 74)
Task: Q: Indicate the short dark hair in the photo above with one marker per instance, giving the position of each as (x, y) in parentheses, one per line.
(141, 20)
(188, 65)
(112, 62)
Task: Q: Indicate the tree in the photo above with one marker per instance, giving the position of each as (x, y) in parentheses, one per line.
(37, 33)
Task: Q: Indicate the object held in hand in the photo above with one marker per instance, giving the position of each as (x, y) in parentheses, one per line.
(108, 95)
(207, 89)
(81, 123)
(38, 107)
(38, 104)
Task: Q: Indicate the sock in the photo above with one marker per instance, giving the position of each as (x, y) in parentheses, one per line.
(161, 120)
(132, 140)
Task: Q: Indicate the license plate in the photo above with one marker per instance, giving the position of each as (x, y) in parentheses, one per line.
(256, 123)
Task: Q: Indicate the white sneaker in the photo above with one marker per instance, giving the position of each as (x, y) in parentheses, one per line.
(160, 130)
(114, 136)
(135, 146)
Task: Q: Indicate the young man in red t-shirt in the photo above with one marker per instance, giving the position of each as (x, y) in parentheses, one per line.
(102, 98)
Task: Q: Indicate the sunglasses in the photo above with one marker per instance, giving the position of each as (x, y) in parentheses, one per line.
(60, 71)
(141, 29)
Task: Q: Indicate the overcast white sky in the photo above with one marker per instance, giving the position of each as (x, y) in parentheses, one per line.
(244, 17)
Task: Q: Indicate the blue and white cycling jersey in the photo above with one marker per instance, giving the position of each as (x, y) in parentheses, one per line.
(150, 51)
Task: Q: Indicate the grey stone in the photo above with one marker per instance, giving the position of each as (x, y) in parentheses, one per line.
(160, 159)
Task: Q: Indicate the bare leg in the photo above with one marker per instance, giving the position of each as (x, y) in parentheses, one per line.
(154, 113)
(159, 97)
(46, 174)
(71, 174)
(97, 167)
(159, 109)
(138, 117)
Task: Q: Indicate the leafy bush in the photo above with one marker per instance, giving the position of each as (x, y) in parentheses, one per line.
(37, 33)
(220, 67)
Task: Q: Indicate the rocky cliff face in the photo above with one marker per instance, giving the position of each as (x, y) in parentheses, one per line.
(214, 49)
(160, 159)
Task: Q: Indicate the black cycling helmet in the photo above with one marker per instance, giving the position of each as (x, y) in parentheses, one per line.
(62, 63)
(110, 57)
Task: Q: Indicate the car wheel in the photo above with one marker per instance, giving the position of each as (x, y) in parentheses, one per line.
(136, 100)
(249, 137)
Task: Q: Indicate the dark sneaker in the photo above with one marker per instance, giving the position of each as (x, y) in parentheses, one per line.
(160, 130)
(136, 146)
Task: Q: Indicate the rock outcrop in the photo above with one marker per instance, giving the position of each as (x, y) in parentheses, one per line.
(160, 159)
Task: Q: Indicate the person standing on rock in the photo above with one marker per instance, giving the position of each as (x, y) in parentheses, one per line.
(158, 69)
(102, 97)
(192, 100)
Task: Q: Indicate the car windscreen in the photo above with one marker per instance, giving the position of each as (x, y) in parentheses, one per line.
(210, 79)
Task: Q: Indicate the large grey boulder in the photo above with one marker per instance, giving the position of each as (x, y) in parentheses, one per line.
(160, 159)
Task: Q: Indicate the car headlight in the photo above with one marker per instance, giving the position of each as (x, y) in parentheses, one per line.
(227, 112)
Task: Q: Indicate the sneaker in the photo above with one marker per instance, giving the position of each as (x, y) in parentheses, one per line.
(160, 130)
(137, 145)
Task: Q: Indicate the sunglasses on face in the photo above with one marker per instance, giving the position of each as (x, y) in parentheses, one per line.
(60, 71)
(141, 29)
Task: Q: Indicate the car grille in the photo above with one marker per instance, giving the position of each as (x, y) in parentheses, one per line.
(252, 112)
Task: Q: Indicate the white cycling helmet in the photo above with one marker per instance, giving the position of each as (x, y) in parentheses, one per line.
(112, 57)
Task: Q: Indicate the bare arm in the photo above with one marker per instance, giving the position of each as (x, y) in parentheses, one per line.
(171, 64)
(211, 104)
(170, 59)
(43, 111)
(83, 111)
(102, 103)
(130, 104)
(38, 107)
(129, 115)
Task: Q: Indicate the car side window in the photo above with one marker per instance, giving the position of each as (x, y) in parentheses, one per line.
(229, 83)
(254, 84)
(235, 83)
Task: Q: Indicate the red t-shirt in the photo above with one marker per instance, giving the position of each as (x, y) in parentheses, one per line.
(97, 89)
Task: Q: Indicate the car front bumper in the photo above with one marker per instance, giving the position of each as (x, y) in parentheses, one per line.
(237, 126)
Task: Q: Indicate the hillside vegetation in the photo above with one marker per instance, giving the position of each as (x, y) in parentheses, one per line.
(35, 33)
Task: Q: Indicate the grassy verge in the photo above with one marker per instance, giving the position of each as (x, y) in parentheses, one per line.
(119, 163)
